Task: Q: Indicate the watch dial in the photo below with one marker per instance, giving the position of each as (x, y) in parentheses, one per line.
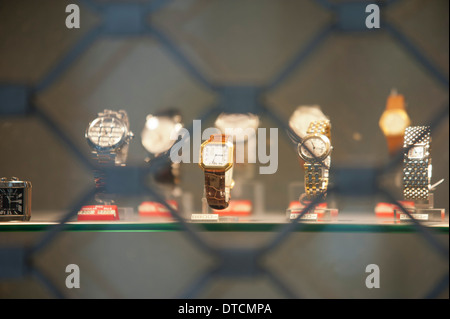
(215, 155)
(11, 201)
(156, 134)
(106, 132)
(314, 146)
(416, 152)
(394, 123)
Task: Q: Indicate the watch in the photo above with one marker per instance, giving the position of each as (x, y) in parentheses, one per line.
(109, 136)
(158, 129)
(235, 121)
(417, 162)
(15, 199)
(216, 160)
(394, 121)
(315, 150)
(303, 116)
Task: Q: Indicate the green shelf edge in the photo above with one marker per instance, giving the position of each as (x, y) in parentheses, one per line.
(221, 227)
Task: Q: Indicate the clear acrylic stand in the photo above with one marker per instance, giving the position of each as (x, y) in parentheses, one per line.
(206, 214)
(322, 212)
(423, 211)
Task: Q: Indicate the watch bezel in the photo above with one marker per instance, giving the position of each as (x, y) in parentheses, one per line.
(214, 168)
(426, 151)
(146, 130)
(113, 147)
(26, 186)
(321, 158)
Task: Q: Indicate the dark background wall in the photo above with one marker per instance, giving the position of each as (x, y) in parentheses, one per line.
(192, 47)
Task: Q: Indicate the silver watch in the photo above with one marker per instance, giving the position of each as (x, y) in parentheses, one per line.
(158, 130)
(109, 136)
(417, 162)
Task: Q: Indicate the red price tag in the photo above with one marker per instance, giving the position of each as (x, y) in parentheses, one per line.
(98, 212)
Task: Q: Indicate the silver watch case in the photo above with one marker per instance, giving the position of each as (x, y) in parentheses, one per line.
(321, 158)
(125, 139)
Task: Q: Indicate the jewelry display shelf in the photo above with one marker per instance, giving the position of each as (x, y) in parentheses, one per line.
(258, 223)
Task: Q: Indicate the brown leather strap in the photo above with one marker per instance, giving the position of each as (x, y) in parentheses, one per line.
(215, 189)
(395, 101)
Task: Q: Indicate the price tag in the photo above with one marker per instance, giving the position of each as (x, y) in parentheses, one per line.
(307, 216)
(98, 212)
(207, 217)
(415, 216)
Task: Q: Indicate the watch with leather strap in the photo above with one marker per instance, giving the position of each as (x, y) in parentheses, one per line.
(417, 162)
(315, 150)
(216, 160)
(393, 122)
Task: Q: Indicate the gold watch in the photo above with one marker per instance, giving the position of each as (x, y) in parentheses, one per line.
(315, 150)
(394, 121)
(216, 160)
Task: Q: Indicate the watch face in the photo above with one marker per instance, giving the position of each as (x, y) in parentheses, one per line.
(314, 146)
(416, 152)
(106, 132)
(157, 132)
(215, 155)
(394, 122)
(11, 201)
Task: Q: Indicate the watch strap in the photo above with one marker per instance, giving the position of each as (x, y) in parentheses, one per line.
(395, 101)
(217, 194)
(320, 127)
(316, 180)
(416, 174)
(394, 143)
(316, 173)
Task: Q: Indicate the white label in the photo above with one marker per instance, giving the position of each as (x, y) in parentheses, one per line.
(415, 216)
(204, 216)
(305, 216)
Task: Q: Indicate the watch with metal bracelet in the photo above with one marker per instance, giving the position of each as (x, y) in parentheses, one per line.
(108, 136)
(315, 150)
(216, 160)
(417, 162)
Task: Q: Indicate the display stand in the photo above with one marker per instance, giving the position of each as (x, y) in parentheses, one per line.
(422, 211)
(323, 211)
(104, 209)
(206, 214)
